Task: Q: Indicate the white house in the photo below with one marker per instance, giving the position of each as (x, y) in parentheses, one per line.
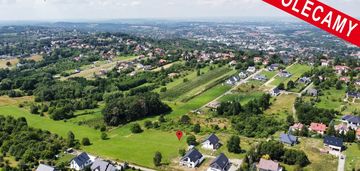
(335, 144)
(251, 69)
(275, 92)
(220, 163)
(80, 161)
(192, 158)
(43, 167)
(352, 121)
(211, 142)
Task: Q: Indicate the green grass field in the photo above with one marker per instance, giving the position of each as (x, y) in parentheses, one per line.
(195, 86)
(122, 144)
(268, 74)
(352, 156)
(296, 70)
(281, 107)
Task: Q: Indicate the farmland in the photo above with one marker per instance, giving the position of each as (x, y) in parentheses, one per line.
(14, 61)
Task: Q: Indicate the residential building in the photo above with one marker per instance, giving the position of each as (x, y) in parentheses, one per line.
(358, 133)
(334, 144)
(341, 128)
(212, 142)
(100, 165)
(251, 69)
(275, 92)
(242, 75)
(296, 127)
(354, 95)
(352, 121)
(312, 92)
(318, 128)
(192, 158)
(288, 139)
(340, 69)
(44, 167)
(284, 74)
(268, 165)
(80, 161)
(260, 77)
(305, 80)
(220, 163)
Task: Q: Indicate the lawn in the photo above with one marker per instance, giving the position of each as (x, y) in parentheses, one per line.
(352, 156)
(15, 61)
(268, 74)
(296, 70)
(281, 106)
(244, 93)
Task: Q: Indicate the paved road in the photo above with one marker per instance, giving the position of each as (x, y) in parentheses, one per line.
(341, 165)
(234, 87)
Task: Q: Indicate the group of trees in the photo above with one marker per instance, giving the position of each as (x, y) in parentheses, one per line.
(130, 108)
(274, 150)
(305, 113)
(26, 144)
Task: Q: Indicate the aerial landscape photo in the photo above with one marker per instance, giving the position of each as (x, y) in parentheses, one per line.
(175, 85)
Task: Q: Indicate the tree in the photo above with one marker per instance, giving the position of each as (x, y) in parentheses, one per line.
(191, 140)
(233, 144)
(338, 85)
(157, 159)
(104, 136)
(290, 85)
(85, 141)
(8, 64)
(185, 119)
(34, 109)
(331, 130)
(182, 152)
(281, 86)
(135, 128)
(148, 124)
(350, 136)
(162, 118)
(290, 120)
(71, 139)
(196, 128)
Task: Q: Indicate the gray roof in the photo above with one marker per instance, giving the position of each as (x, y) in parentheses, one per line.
(288, 139)
(81, 159)
(221, 162)
(43, 167)
(353, 94)
(213, 139)
(334, 141)
(100, 165)
(193, 155)
(352, 118)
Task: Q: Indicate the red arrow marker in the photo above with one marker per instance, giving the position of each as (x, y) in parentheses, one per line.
(179, 134)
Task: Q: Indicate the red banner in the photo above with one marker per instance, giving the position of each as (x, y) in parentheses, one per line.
(322, 16)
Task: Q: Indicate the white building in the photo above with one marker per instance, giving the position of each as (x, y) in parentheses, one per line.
(192, 158)
(81, 161)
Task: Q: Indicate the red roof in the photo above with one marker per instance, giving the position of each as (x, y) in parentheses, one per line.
(268, 165)
(341, 67)
(358, 132)
(297, 126)
(317, 127)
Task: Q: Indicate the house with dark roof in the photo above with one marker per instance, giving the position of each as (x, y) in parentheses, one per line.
(44, 167)
(352, 121)
(288, 139)
(220, 163)
(268, 165)
(335, 144)
(100, 165)
(233, 80)
(353, 95)
(312, 92)
(305, 80)
(284, 74)
(212, 142)
(260, 77)
(80, 162)
(192, 158)
(275, 92)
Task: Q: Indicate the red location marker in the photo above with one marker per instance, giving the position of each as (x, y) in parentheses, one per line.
(179, 134)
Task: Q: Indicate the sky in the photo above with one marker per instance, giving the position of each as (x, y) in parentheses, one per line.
(64, 10)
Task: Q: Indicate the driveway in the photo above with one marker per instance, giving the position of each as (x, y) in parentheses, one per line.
(341, 165)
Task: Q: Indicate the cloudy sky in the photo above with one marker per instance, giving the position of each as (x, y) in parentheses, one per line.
(57, 10)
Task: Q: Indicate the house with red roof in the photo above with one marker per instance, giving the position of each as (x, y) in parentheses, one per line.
(268, 165)
(297, 127)
(358, 134)
(318, 128)
(341, 68)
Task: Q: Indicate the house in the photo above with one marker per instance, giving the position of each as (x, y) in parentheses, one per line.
(232, 63)
(275, 92)
(242, 75)
(354, 95)
(358, 133)
(44, 167)
(80, 161)
(211, 142)
(284, 74)
(257, 59)
(344, 79)
(352, 121)
(273, 67)
(334, 143)
(325, 63)
(357, 82)
(233, 80)
(260, 77)
(305, 80)
(296, 127)
(100, 165)
(251, 69)
(192, 158)
(268, 165)
(312, 92)
(288, 139)
(340, 69)
(341, 128)
(318, 128)
(213, 105)
(220, 163)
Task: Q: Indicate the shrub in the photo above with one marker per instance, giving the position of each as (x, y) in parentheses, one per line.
(85, 141)
(135, 128)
